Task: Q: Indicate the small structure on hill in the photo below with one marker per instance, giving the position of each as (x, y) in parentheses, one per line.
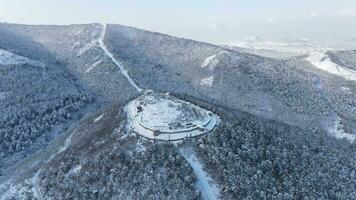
(157, 116)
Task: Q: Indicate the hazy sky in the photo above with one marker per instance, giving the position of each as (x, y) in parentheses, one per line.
(205, 20)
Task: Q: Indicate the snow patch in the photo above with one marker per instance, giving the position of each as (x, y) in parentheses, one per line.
(207, 186)
(208, 81)
(347, 90)
(75, 170)
(212, 60)
(86, 48)
(339, 132)
(98, 118)
(93, 65)
(35, 187)
(75, 45)
(66, 144)
(62, 148)
(140, 147)
(208, 60)
(117, 63)
(323, 62)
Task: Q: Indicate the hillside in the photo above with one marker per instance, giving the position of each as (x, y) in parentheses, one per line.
(247, 126)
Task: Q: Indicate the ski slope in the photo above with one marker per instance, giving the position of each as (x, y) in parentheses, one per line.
(117, 63)
(323, 62)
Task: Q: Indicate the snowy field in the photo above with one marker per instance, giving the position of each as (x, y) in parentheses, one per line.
(162, 117)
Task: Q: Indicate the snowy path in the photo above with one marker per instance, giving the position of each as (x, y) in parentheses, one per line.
(205, 183)
(117, 63)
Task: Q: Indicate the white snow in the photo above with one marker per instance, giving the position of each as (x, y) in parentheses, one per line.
(208, 60)
(208, 81)
(117, 63)
(75, 45)
(96, 63)
(75, 169)
(323, 62)
(86, 48)
(98, 118)
(339, 132)
(140, 147)
(62, 148)
(14, 192)
(5, 186)
(35, 187)
(212, 60)
(207, 186)
(66, 144)
(8, 58)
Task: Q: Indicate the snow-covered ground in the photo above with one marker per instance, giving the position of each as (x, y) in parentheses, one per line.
(206, 185)
(208, 81)
(323, 62)
(163, 117)
(8, 58)
(212, 60)
(14, 192)
(117, 63)
(35, 187)
(98, 118)
(92, 66)
(338, 131)
(86, 48)
(297, 47)
(208, 60)
(75, 170)
(64, 147)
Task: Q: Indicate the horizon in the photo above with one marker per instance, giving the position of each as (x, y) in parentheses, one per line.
(325, 22)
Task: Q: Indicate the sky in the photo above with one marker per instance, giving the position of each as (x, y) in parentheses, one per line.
(214, 21)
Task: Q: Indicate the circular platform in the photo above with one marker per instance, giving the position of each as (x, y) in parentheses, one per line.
(160, 116)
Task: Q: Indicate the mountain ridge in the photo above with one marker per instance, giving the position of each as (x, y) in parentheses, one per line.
(281, 134)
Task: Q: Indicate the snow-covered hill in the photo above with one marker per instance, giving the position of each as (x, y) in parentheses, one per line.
(285, 129)
(322, 61)
(8, 58)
